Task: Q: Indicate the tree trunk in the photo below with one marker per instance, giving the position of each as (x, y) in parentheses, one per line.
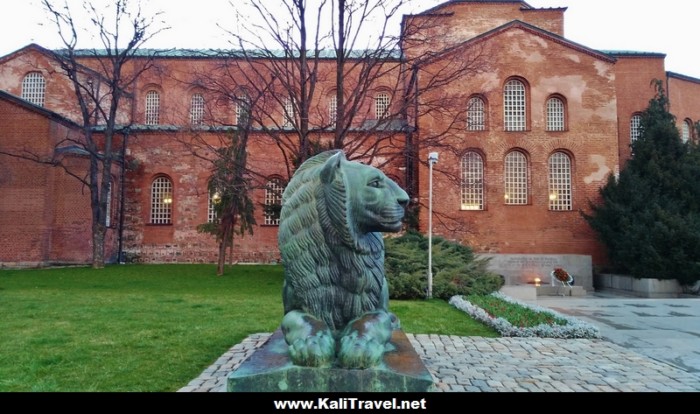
(98, 246)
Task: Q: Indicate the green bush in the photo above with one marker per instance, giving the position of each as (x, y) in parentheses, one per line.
(456, 271)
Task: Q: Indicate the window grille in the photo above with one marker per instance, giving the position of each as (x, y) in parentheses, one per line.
(197, 109)
(161, 201)
(152, 108)
(559, 182)
(472, 181)
(555, 114)
(515, 178)
(514, 106)
(34, 88)
(381, 105)
(476, 117)
(273, 201)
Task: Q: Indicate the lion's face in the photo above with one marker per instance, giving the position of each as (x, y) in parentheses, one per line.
(375, 202)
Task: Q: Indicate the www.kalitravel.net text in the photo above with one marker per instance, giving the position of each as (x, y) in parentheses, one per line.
(349, 403)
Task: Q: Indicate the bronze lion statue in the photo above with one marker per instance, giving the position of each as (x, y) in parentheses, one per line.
(335, 294)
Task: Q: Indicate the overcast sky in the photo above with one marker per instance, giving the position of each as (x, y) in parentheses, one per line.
(663, 26)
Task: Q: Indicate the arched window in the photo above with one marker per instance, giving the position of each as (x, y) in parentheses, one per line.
(273, 201)
(555, 114)
(515, 177)
(559, 182)
(332, 110)
(687, 130)
(197, 109)
(381, 105)
(476, 114)
(514, 106)
(289, 113)
(472, 183)
(242, 102)
(161, 201)
(152, 108)
(635, 127)
(34, 88)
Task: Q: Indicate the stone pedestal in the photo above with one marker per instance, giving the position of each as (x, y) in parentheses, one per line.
(269, 369)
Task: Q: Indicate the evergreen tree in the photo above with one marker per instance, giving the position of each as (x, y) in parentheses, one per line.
(649, 218)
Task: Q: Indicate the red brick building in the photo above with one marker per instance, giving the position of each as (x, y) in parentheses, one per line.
(534, 131)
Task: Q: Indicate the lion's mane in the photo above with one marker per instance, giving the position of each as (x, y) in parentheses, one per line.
(331, 270)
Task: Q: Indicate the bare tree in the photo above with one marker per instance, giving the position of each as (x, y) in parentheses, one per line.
(333, 74)
(101, 79)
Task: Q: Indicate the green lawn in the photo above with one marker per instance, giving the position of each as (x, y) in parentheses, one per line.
(151, 327)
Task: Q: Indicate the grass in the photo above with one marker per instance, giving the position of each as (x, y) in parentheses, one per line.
(517, 315)
(151, 327)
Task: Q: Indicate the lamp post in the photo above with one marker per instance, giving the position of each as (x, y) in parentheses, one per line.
(432, 159)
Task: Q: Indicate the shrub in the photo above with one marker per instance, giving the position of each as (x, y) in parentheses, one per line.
(456, 270)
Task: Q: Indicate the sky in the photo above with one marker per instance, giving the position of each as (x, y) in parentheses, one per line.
(660, 26)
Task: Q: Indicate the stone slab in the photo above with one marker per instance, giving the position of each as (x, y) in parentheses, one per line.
(522, 269)
(269, 369)
(642, 287)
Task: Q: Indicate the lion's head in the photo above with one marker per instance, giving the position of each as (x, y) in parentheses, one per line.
(333, 211)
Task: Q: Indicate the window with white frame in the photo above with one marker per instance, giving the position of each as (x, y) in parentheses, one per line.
(514, 113)
(333, 110)
(242, 110)
(555, 114)
(472, 181)
(686, 129)
(476, 114)
(34, 88)
(197, 109)
(161, 201)
(515, 177)
(559, 182)
(289, 113)
(273, 201)
(381, 105)
(635, 127)
(152, 108)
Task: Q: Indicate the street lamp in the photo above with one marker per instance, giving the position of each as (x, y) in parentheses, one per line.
(432, 159)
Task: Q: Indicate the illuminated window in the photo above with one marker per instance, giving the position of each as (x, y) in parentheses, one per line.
(559, 182)
(555, 114)
(515, 176)
(476, 114)
(514, 113)
(273, 201)
(381, 106)
(197, 109)
(34, 88)
(161, 201)
(472, 181)
(152, 108)
(213, 199)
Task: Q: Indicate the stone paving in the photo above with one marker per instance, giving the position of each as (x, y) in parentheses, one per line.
(476, 364)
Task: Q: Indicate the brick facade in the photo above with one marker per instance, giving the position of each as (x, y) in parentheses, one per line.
(600, 92)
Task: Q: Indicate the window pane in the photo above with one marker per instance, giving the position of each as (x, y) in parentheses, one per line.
(273, 201)
(555, 114)
(559, 182)
(472, 181)
(515, 178)
(197, 109)
(289, 114)
(476, 117)
(635, 127)
(685, 133)
(242, 110)
(514, 106)
(333, 110)
(381, 106)
(161, 201)
(152, 108)
(33, 88)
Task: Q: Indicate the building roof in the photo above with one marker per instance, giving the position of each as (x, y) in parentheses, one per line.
(37, 109)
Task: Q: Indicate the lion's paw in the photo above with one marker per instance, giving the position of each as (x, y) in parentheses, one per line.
(359, 351)
(313, 351)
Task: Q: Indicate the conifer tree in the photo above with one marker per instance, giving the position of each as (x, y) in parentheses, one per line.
(649, 217)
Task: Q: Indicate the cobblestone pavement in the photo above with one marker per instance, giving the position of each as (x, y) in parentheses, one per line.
(476, 364)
